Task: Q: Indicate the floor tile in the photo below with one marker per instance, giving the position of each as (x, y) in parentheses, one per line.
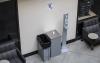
(60, 58)
(81, 47)
(78, 52)
(34, 59)
(82, 58)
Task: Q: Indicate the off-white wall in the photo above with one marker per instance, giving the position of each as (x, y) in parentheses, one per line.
(36, 17)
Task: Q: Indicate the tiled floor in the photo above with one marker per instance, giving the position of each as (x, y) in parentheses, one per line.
(79, 52)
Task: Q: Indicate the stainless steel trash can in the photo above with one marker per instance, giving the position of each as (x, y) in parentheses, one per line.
(55, 42)
(44, 44)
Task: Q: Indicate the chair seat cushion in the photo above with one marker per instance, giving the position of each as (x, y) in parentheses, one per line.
(4, 61)
(93, 36)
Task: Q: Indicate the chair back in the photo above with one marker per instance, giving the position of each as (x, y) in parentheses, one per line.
(91, 22)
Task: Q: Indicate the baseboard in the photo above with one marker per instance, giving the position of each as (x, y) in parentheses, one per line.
(36, 52)
(73, 40)
(30, 54)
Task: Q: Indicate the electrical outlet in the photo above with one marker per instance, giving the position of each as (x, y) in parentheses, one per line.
(50, 4)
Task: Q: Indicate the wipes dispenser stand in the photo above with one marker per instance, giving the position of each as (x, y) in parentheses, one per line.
(64, 34)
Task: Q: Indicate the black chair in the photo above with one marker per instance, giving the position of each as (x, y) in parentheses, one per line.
(9, 51)
(13, 56)
(7, 46)
(91, 27)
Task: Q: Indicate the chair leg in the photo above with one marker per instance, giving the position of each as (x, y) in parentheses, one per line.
(92, 47)
(81, 39)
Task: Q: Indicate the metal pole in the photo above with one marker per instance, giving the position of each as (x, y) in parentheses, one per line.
(64, 34)
(65, 27)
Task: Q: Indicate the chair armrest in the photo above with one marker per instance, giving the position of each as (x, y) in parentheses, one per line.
(8, 45)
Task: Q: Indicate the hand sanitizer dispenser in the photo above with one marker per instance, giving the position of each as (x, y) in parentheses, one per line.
(65, 27)
(64, 34)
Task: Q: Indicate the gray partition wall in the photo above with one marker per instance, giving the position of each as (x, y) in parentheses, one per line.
(9, 19)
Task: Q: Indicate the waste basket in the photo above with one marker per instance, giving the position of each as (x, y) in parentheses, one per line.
(56, 43)
(44, 44)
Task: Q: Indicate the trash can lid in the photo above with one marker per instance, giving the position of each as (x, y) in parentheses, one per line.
(44, 40)
(53, 34)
